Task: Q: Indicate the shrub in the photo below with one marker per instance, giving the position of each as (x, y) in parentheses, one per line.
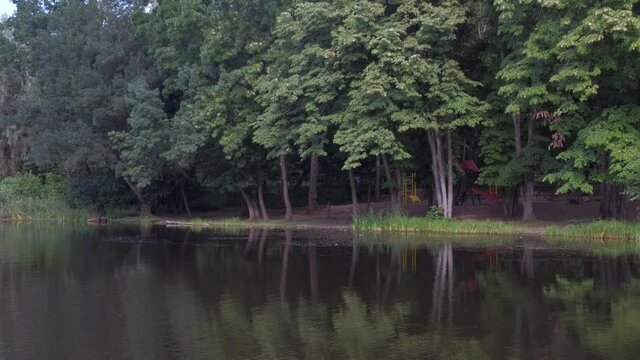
(435, 213)
(28, 196)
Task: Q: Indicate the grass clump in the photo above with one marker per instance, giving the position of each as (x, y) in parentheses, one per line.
(603, 230)
(430, 224)
(29, 197)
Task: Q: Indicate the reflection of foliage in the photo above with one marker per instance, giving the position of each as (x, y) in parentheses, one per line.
(604, 322)
(612, 340)
(569, 291)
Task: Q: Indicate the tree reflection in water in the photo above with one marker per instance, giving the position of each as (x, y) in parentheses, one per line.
(289, 295)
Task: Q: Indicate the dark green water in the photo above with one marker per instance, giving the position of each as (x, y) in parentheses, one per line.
(126, 293)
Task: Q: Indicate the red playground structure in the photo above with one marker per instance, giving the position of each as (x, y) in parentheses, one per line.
(471, 170)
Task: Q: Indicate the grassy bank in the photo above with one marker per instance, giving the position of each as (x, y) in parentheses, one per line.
(235, 222)
(402, 223)
(41, 209)
(42, 198)
(598, 230)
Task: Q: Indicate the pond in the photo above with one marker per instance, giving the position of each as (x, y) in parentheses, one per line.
(117, 292)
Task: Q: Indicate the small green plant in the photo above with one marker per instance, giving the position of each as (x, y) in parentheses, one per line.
(435, 213)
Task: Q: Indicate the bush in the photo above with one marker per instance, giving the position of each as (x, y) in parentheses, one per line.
(435, 213)
(28, 196)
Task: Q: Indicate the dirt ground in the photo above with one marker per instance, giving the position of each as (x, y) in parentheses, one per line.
(547, 212)
(559, 212)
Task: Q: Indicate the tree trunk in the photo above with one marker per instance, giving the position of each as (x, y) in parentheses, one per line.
(527, 187)
(442, 167)
(526, 197)
(313, 183)
(285, 188)
(449, 213)
(249, 203)
(354, 195)
(185, 202)
(517, 133)
(263, 208)
(144, 207)
(434, 167)
(377, 188)
(256, 209)
(611, 201)
(442, 173)
(387, 171)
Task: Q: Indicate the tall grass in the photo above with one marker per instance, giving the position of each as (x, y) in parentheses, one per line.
(44, 209)
(402, 223)
(604, 230)
(29, 197)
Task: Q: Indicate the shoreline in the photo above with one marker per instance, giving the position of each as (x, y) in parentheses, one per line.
(537, 230)
(588, 229)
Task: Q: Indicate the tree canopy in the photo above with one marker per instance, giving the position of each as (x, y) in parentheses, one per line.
(253, 100)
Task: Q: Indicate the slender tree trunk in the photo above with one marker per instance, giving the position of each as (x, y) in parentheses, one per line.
(285, 188)
(449, 214)
(434, 167)
(249, 203)
(377, 188)
(256, 209)
(517, 133)
(441, 171)
(184, 200)
(144, 206)
(263, 207)
(527, 189)
(387, 170)
(354, 195)
(313, 183)
(442, 167)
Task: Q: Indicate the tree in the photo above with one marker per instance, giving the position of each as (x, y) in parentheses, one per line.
(298, 88)
(366, 125)
(598, 115)
(145, 140)
(81, 57)
(410, 83)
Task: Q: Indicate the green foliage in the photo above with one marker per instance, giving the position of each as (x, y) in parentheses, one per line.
(193, 94)
(434, 213)
(142, 145)
(598, 230)
(31, 197)
(429, 224)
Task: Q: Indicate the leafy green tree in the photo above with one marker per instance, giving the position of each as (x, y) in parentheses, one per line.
(235, 47)
(528, 33)
(81, 57)
(141, 146)
(409, 80)
(598, 115)
(297, 89)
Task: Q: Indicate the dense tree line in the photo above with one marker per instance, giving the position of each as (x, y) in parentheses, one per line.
(159, 101)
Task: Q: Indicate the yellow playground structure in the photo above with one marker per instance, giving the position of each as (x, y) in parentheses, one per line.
(409, 189)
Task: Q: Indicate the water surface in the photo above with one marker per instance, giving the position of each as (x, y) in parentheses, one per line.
(154, 293)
